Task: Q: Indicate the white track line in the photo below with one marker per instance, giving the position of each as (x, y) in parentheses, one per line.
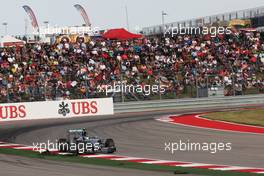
(98, 156)
(161, 162)
(164, 120)
(259, 172)
(230, 168)
(8, 145)
(128, 159)
(25, 147)
(53, 150)
(193, 165)
(65, 153)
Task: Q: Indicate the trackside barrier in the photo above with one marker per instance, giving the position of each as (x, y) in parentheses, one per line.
(56, 109)
(142, 106)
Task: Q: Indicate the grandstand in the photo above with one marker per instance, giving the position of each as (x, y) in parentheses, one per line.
(186, 66)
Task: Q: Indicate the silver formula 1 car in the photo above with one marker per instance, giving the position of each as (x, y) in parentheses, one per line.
(79, 142)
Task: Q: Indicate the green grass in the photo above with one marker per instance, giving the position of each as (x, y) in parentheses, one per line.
(122, 164)
(248, 117)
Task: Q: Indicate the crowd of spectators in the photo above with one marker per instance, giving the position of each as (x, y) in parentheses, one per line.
(78, 70)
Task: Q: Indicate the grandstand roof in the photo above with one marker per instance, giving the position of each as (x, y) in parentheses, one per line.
(240, 14)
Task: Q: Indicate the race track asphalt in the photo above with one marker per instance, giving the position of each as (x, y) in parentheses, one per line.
(140, 135)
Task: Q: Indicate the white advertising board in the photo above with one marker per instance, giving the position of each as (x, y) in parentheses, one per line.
(56, 109)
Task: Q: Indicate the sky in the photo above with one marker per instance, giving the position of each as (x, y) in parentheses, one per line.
(107, 14)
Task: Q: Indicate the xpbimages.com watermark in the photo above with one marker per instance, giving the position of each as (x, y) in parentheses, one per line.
(67, 30)
(130, 88)
(80, 147)
(212, 147)
(183, 30)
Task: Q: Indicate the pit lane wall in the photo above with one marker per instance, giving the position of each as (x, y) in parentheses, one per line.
(56, 109)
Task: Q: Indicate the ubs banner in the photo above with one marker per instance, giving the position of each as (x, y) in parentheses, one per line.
(56, 109)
